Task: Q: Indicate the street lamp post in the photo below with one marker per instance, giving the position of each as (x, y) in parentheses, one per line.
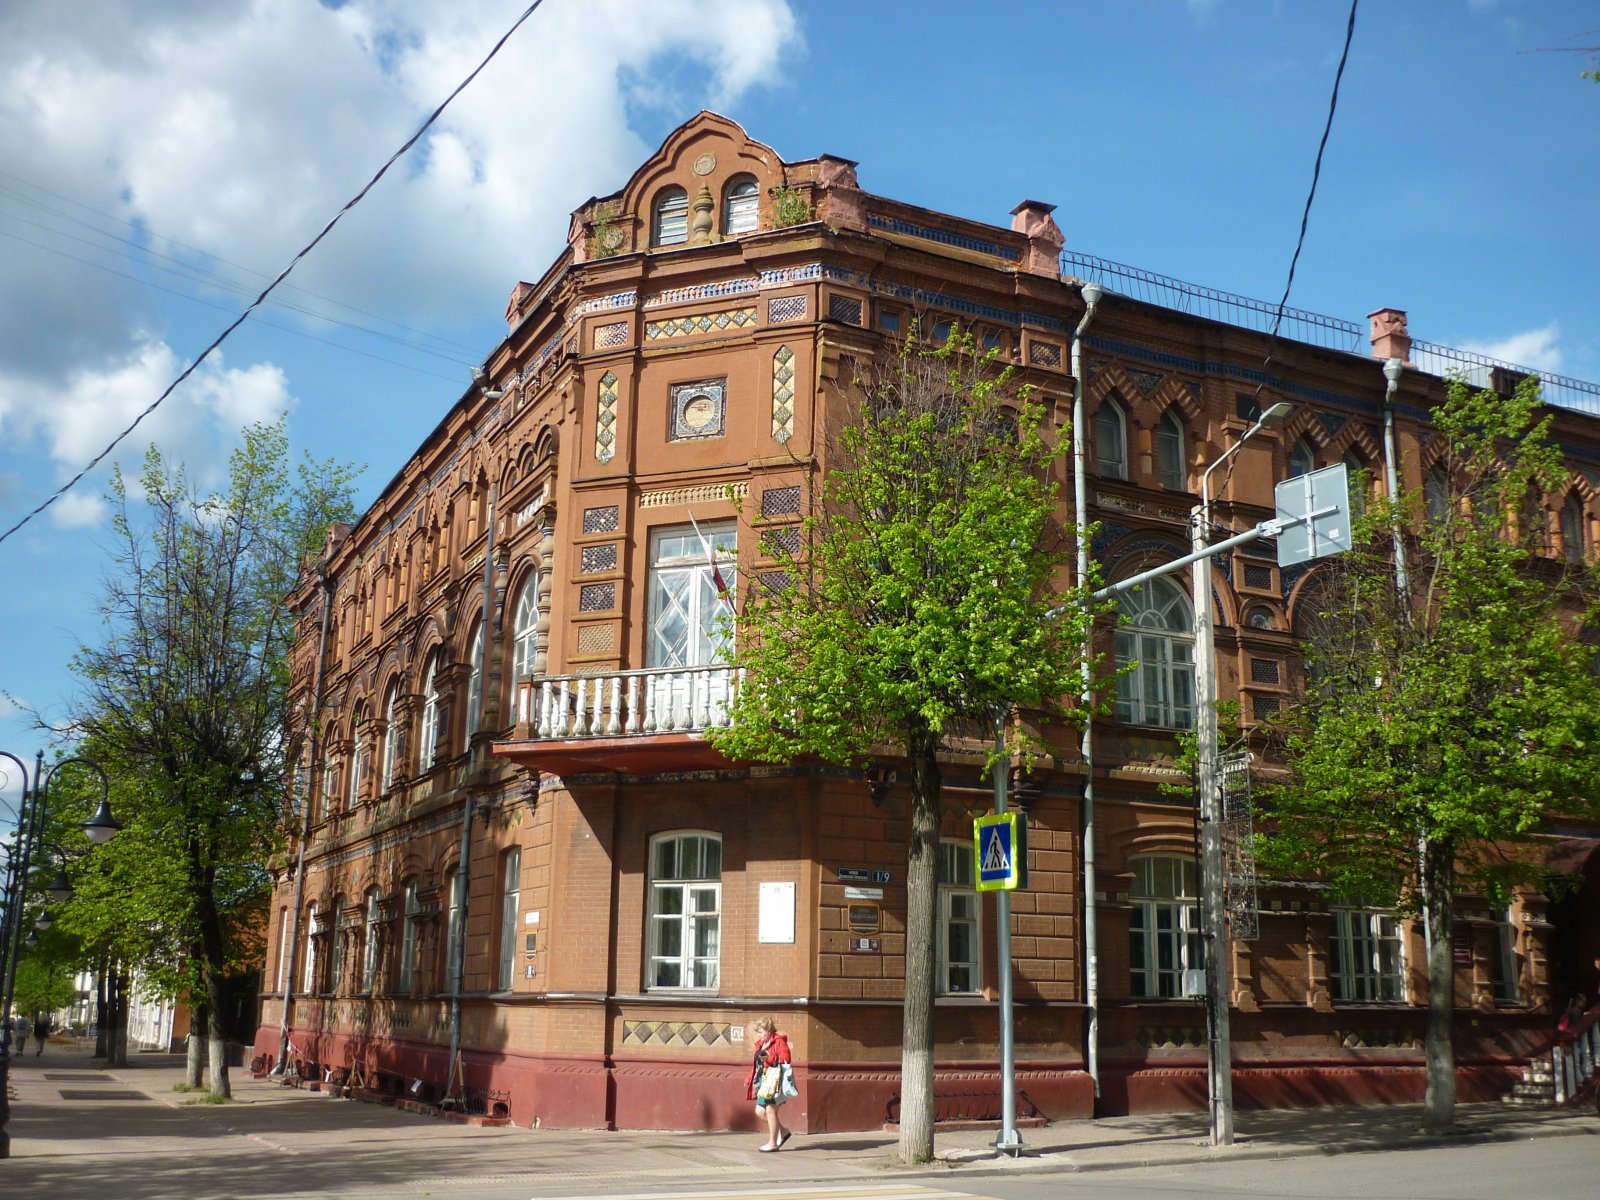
(1219, 1074)
(32, 807)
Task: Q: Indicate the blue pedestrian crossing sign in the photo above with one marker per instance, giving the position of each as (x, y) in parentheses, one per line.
(1000, 849)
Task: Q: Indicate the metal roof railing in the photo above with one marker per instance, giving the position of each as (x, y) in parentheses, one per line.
(1331, 333)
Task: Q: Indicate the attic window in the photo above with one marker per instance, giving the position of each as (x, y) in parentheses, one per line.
(741, 205)
(671, 224)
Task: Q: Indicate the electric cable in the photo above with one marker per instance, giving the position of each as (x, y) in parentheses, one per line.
(282, 275)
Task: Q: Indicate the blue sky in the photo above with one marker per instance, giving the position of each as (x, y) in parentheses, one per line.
(157, 162)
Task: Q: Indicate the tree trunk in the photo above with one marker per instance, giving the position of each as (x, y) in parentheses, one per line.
(117, 1007)
(916, 1063)
(1438, 894)
(195, 1046)
(102, 1011)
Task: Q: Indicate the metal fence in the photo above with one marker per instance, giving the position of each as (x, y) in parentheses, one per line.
(1331, 333)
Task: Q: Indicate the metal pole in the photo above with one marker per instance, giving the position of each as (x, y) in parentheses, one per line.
(10, 942)
(1009, 1141)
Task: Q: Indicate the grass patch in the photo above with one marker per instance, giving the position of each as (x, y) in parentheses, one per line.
(188, 1087)
(206, 1097)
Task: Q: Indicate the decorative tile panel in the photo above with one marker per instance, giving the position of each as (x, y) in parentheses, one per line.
(844, 308)
(601, 520)
(734, 318)
(781, 501)
(1264, 670)
(599, 558)
(781, 543)
(597, 639)
(786, 308)
(783, 395)
(1265, 707)
(597, 597)
(694, 495)
(1258, 577)
(605, 421)
(776, 581)
(615, 334)
(1045, 354)
(699, 410)
(681, 1033)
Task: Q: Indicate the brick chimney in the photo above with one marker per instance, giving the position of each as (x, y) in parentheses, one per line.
(1390, 337)
(1043, 257)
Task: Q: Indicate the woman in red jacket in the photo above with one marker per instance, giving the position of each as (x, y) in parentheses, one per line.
(772, 1050)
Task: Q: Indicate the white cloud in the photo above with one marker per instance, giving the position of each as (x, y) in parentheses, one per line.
(1535, 348)
(237, 127)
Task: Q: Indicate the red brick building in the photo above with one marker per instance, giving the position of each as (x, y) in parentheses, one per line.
(507, 666)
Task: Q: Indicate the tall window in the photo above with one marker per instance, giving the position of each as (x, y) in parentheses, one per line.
(433, 711)
(308, 978)
(741, 206)
(525, 629)
(671, 224)
(1572, 540)
(455, 889)
(959, 959)
(1436, 495)
(1362, 485)
(1364, 960)
(1158, 635)
(408, 938)
(510, 913)
(1164, 938)
(330, 780)
(687, 628)
(391, 737)
(280, 977)
(336, 944)
(685, 911)
(358, 758)
(369, 946)
(1301, 460)
(1111, 440)
(475, 682)
(1169, 453)
(1504, 970)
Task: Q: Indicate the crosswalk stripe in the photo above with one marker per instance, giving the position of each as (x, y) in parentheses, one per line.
(843, 1191)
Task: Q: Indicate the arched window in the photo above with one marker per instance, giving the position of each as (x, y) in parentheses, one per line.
(410, 919)
(474, 719)
(1302, 461)
(391, 737)
(1436, 495)
(1158, 634)
(670, 225)
(330, 776)
(308, 980)
(455, 887)
(741, 206)
(685, 911)
(1572, 539)
(1164, 938)
(1169, 453)
(358, 759)
(369, 948)
(433, 712)
(336, 944)
(1361, 483)
(525, 628)
(1111, 440)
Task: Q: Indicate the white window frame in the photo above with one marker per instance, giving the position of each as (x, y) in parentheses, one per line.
(428, 735)
(1165, 937)
(1111, 440)
(741, 206)
(1171, 464)
(681, 581)
(358, 761)
(308, 978)
(369, 947)
(525, 629)
(669, 217)
(510, 913)
(474, 684)
(685, 912)
(1366, 957)
(1505, 969)
(336, 945)
(960, 973)
(391, 737)
(455, 893)
(1158, 634)
(280, 977)
(407, 979)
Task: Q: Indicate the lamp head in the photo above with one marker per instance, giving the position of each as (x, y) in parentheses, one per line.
(1276, 415)
(44, 921)
(59, 891)
(101, 827)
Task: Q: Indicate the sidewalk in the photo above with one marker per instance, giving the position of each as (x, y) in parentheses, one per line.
(80, 1130)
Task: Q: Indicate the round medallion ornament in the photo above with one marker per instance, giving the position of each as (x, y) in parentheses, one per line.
(705, 164)
(699, 412)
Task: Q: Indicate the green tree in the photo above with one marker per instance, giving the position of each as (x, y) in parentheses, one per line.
(44, 980)
(1443, 726)
(184, 704)
(923, 603)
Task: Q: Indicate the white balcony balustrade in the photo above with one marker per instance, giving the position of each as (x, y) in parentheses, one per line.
(619, 704)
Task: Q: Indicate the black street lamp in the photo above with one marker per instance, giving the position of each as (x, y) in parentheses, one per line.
(32, 806)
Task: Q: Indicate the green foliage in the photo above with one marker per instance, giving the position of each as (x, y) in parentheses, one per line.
(44, 979)
(605, 236)
(789, 207)
(924, 595)
(1463, 713)
(185, 702)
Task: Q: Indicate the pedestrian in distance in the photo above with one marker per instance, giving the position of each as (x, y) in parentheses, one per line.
(765, 1083)
(41, 1030)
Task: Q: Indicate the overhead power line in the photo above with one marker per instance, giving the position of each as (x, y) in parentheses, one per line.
(282, 275)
